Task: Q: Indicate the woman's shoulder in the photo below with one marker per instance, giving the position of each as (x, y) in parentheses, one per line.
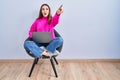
(37, 20)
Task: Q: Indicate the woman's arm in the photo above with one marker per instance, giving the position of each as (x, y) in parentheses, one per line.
(55, 19)
(33, 28)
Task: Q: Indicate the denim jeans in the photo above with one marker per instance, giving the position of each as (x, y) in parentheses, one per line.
(50, 47)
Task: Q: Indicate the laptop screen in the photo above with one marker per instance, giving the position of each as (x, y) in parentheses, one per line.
(41, 37)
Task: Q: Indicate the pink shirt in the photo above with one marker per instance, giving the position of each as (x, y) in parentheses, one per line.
(41, 25)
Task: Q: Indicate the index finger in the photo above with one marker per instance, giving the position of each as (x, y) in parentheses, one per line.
(60, 6)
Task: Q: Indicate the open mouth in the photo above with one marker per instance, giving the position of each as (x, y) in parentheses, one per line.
(45, 13)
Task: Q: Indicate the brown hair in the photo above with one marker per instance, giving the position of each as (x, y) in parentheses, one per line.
(49, 15)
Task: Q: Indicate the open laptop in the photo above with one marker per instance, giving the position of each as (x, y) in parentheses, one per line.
(41, 37)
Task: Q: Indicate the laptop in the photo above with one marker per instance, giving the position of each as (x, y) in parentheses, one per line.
(41, 37)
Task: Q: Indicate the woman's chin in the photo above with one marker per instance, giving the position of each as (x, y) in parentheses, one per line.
(45, 15)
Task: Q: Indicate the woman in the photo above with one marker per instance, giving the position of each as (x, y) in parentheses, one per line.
(45, 23)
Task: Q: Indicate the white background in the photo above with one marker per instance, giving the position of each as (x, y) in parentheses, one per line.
(90, 28)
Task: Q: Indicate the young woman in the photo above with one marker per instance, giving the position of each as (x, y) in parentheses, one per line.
(45, 23)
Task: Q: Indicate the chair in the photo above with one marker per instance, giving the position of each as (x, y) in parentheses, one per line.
(52, 59)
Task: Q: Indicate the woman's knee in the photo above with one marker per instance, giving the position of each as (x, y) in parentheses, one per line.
(59, 40)
(29, 44)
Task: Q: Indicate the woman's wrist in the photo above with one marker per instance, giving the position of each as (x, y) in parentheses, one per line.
(57, 13)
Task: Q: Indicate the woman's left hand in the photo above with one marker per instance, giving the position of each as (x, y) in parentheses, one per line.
(60, 10)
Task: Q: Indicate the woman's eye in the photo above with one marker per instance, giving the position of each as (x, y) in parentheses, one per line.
(46, 8)
(43, 9)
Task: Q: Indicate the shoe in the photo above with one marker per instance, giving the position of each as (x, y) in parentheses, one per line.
(45, 54)
(56, 53)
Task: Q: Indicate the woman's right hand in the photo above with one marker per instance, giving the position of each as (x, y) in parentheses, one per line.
(60, 10)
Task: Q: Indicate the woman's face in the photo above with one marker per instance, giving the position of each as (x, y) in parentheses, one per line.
(45, 11)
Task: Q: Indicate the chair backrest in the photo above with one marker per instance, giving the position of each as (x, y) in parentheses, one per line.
(56, 35)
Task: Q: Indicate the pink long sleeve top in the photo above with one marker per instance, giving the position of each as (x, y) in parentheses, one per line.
(41, 25)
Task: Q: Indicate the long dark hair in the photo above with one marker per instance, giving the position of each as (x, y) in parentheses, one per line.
(49, 15)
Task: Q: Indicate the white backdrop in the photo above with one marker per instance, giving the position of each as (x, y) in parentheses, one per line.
(90, 28)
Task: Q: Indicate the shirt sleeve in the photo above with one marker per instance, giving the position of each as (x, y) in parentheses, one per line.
(33, 28)
(55, 20)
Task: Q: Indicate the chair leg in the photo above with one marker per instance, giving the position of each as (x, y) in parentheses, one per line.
(33, 65)
(55, 60)
(37, 60)
(53, 66)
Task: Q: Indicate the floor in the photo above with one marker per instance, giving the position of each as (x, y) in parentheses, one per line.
(67, 70)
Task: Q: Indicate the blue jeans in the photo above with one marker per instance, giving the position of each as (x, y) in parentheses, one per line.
(37, 51)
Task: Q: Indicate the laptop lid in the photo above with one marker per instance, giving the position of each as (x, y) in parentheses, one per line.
(41, 37)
